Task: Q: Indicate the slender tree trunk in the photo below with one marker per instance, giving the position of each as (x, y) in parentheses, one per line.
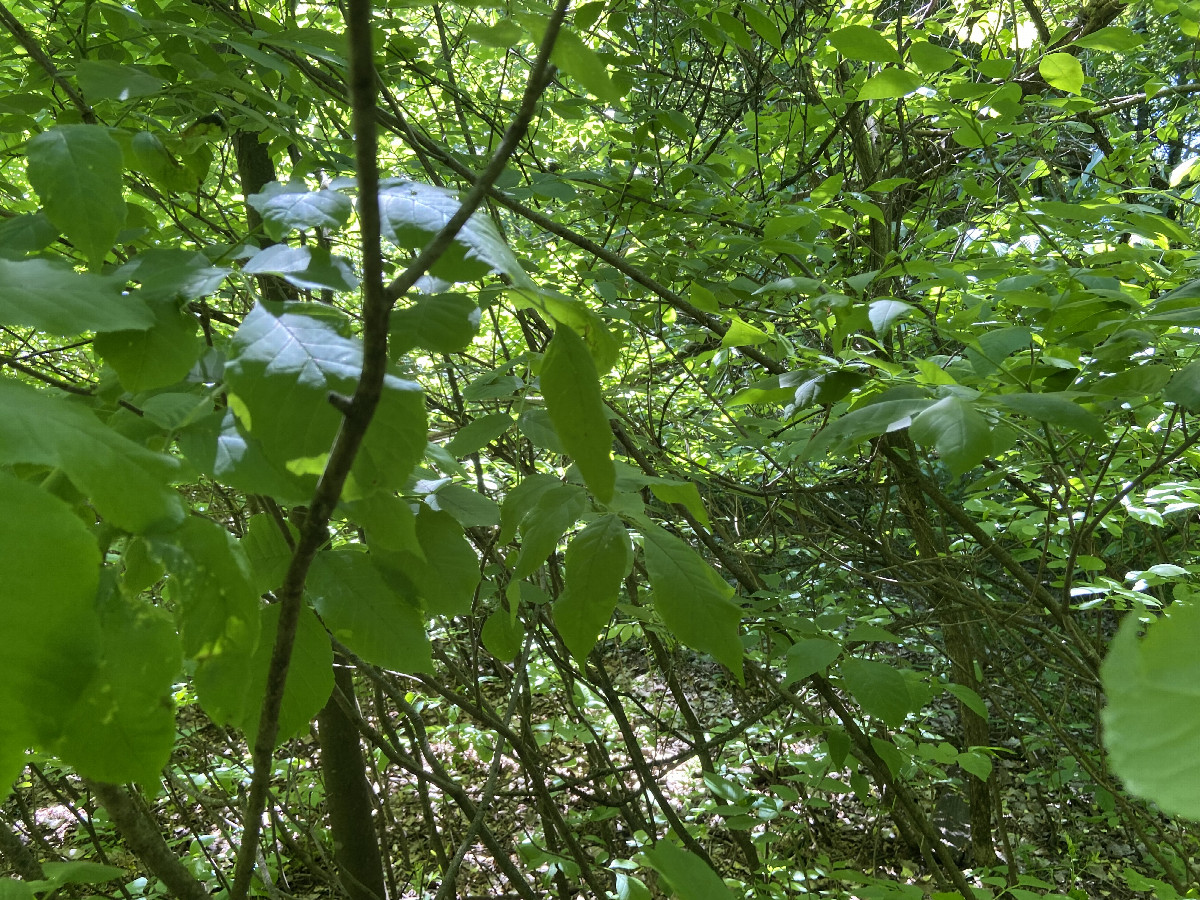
(348, 795)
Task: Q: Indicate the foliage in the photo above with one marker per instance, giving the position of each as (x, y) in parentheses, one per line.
(794, 396)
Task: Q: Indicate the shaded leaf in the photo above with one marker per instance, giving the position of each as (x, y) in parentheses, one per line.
(597, 560)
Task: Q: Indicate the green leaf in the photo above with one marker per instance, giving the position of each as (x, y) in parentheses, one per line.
(572, 390)
(968, 698)
(231, 686)
(580, 61)
(879, 689)
(1114, 38)
(308, 268)
(961, 436)
(868, 422)
(502, 637)
(930, 58)
(293, 207)
(26, 233)
(977, 763)
(863, 43)
(890, 84)
(212, 588)
(150, 156)
(692, 599)
(1140, 381)
(446, 573)
(267, 552)
(1057, 409)
(478, 433)
(443, 323)
(884, 313)
(689, 876)
(157, 356)
(743, 334)
(54, 298)
(103, 79)
(556, 510)
(81, 871)
(76, 171)
(597, 560)
(808, 656)
(1150, 727)
(49, 574)
(366, 614)
(469, 507)
(10, 888)
(128, 484)
(124, 726)
(286, 359)
(1184, 387)
(685, 493)
(412, 213)
(521, 500)
(1062, 71)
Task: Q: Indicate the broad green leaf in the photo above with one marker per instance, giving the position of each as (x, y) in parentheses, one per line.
(1150, 726)
(879, 689)
(469, 507)
(446, 573)
(49, 574)
(743, 334)
(689, 876)
(231, 686)
(1140, 381)
(930, 58)
(597, 560)
(171, 274)
(267, 552)
(867, 422)
(762, 24)
(580, 61)
(478, 433)
(968, 698)
(76, 171)
(1062, 71)
(685, 493)
(692, 599)
(1057, 410)
(535, 424)
(149, 155)
(103, 79)
(308, 268)
(412, 213)
(26, 233)
(863, 43)
(890, 84)
(1184, 387)
(977, 763)
(884, 313)
(443, 323)
(154, 357)
(212, 588)
(124, 726)
(959, 433)
(520, 501)
(217, 446)
(81, 871)
(363, 612)
(831, 186)
(286, 359)
(555, 511)
(293, 207)
(1114, 38)
(54, 298)
(389, 521)
(502, 637)
(807, 657)
(572, 390)
(129, 485)
(10, 888)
